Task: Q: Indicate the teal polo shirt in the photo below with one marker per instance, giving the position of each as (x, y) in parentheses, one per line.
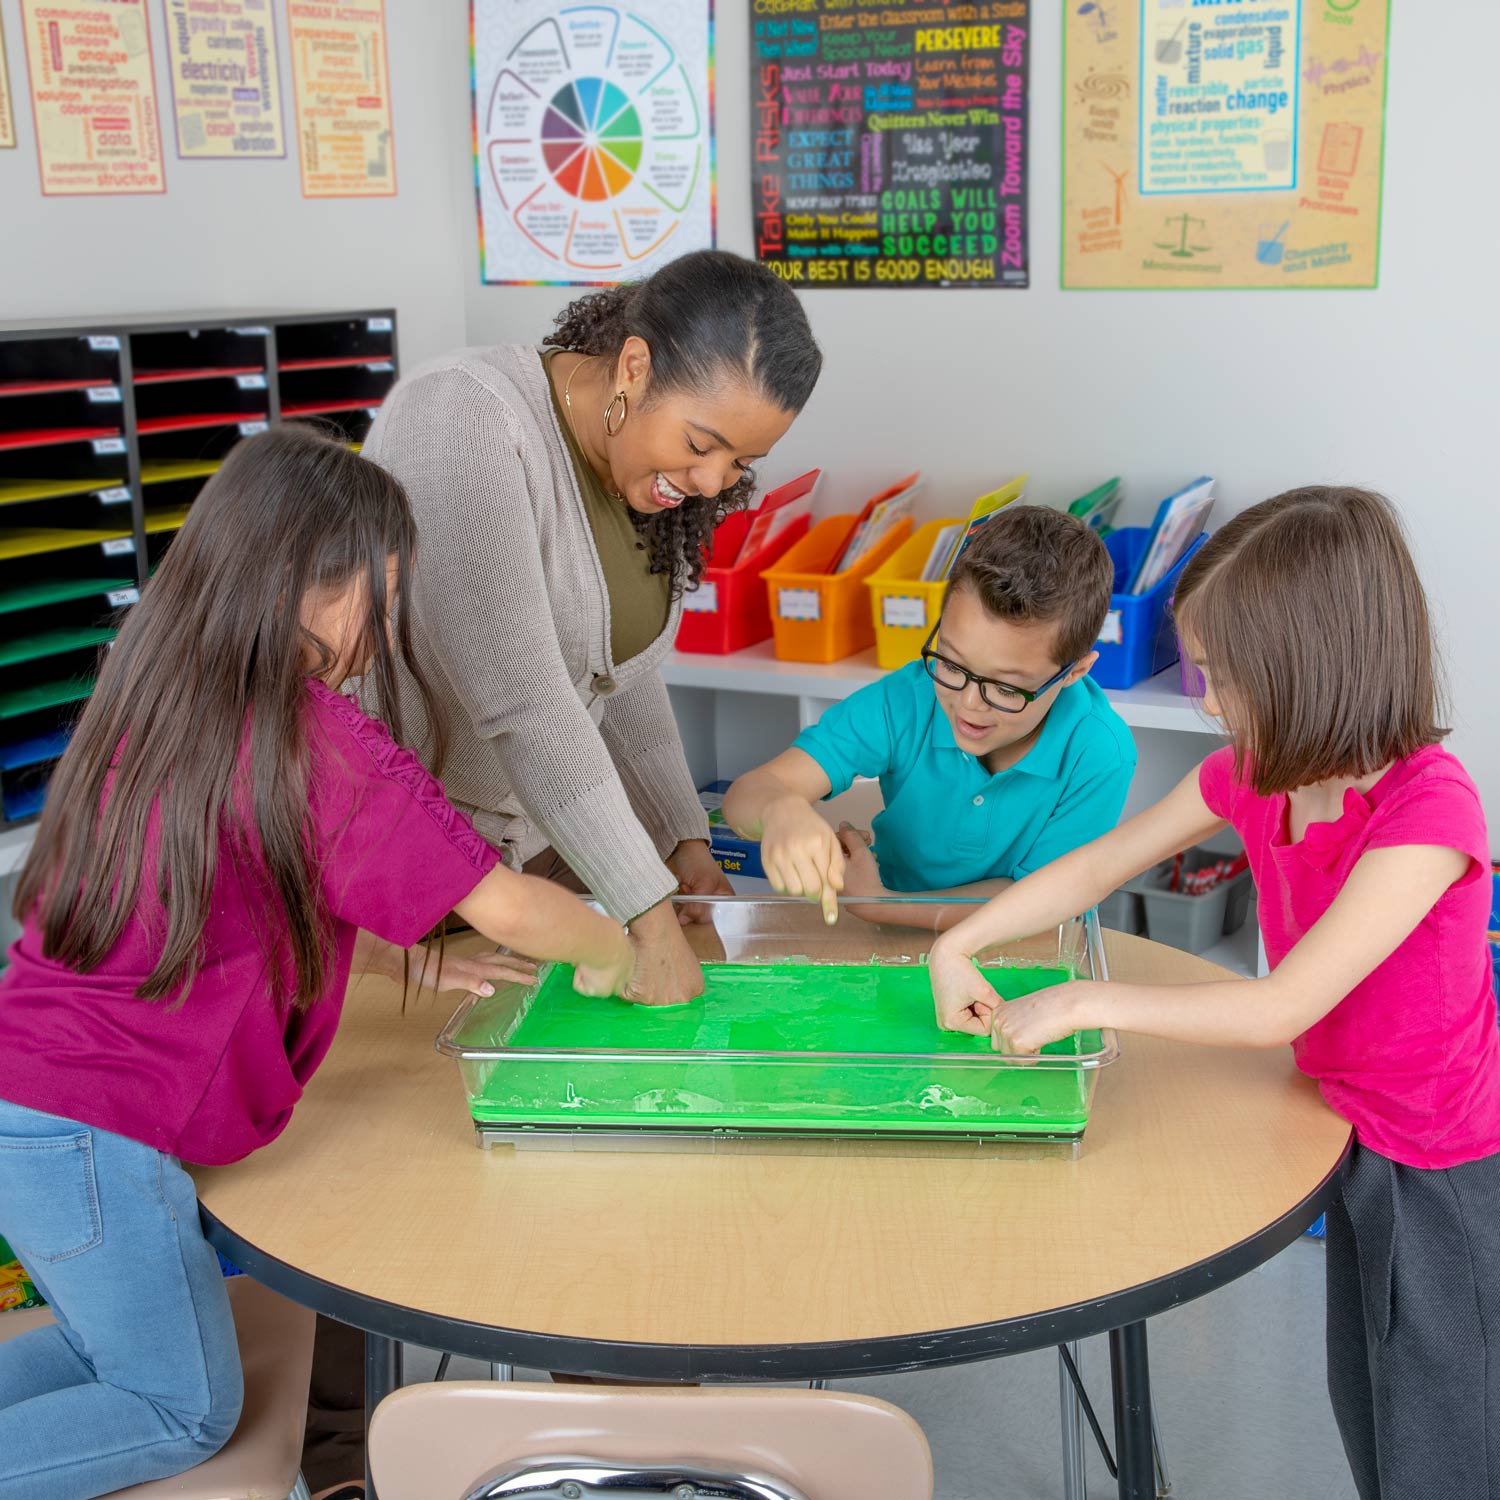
(948, 820)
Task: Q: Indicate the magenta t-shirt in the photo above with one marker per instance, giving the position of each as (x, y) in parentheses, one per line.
(215, 1076)
(1411, 1056)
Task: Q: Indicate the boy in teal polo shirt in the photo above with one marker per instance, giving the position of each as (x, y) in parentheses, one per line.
(996, 752)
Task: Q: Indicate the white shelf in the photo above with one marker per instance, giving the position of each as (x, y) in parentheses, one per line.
(1157, 703)
(15, 844)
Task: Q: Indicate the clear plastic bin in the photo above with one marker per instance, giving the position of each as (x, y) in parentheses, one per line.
(838, 1042)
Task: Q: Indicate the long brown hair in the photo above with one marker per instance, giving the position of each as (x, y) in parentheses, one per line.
(1311, 619)
(207, 667)
(705, 315)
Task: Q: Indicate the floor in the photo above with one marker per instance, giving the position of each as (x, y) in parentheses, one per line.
(1238, 1377)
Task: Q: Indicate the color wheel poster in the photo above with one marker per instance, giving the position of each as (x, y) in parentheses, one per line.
(593, 138)
(1223, 143)
(889, 141)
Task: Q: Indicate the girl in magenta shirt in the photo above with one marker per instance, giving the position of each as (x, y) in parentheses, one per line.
(1372, 864)
(224, 837)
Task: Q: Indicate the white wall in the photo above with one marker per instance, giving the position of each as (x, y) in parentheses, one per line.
(240, 233)
(1389, 388)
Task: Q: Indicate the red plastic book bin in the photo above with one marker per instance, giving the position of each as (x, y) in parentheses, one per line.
(731, 609)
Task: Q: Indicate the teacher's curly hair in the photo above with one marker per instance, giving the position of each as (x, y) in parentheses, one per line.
(704, 316)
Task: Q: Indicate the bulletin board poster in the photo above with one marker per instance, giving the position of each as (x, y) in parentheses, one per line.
(7, 113)
(890, 141)
(342, 87)
(93, 96)
(226, 86)
(593, 138)
(1223, 143)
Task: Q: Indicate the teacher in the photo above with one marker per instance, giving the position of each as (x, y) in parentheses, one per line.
(563, 498)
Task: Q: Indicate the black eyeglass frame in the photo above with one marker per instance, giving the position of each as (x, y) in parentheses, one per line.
(1009, 690)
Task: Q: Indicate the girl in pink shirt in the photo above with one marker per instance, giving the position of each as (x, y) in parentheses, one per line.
(1372, 865)
(225, 836)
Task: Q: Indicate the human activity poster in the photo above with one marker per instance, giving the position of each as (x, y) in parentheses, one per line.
(7, 110)
(226, 87)
(593, 137)
(341, 82)
(890, 141)
(1223, 143)
(93, 96)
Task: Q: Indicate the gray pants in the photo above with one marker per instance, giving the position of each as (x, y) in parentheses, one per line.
(1414, 1328)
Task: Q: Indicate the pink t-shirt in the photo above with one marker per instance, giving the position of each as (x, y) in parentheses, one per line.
(1411, 1056)
(212, 1076)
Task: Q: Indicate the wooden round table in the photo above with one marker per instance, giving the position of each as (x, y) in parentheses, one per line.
(377, 1207)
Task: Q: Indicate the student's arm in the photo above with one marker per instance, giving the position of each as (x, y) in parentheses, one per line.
(1388, 894)
(799, 850)
(544, 921)
(1070, 885)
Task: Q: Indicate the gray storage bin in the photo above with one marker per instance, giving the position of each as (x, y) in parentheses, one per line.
(1122, 911)
(1193, 923)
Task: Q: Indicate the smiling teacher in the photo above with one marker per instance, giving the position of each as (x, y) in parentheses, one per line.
(563, 497)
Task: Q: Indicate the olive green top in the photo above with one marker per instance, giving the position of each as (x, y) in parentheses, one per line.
(639, 599)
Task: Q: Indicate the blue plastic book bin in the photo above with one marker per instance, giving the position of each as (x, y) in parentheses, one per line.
(1138, 639)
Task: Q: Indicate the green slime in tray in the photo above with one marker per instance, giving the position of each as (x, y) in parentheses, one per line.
(881, 1010)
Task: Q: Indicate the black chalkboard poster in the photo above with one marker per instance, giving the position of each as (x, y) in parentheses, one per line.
(889, 141)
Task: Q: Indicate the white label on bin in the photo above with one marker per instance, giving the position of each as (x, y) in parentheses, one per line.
(109, 445)
(122, 546)
(372, 412)
(250, 382)
(903, 612)
(799, 604)
(104, 343)
(1112, 634)
(120, 495)
(378, 325)
(119, 598)
(380, 367)
(703, 600)
(257, 332)
(104, 395)
(249, 429)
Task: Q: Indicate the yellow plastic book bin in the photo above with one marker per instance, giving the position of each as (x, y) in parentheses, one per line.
(821, 616)
(904, 607)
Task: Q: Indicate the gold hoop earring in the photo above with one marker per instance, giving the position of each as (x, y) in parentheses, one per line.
(621, 400)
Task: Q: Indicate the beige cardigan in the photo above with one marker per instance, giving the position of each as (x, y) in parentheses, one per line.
(550, 741)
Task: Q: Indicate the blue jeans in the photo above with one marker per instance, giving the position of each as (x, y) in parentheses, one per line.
(140, 1377)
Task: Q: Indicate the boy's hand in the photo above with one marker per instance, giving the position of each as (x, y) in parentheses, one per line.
(861, 873)
(1023, 1027)
(964, 1001)
(802, 855)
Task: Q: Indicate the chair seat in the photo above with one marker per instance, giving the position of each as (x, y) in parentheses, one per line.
(262, 1459)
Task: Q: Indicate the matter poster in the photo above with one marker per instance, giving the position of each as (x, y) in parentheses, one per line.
(593, 138)
(226, 86)
(93, 96)
(890, 144)
(7, 109)
(1208, 144)
(341, 82)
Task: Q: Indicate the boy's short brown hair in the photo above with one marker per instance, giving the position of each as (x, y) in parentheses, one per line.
(1311, 620)
(1030, 564)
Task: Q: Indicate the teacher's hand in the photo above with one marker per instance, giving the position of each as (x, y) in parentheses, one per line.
(697, 875)
(666, 971)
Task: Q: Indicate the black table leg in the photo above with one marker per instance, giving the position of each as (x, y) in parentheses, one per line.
(1130, 1380)
(382, 1376)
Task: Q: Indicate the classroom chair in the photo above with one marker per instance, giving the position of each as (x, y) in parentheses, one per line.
(261, 1461)
(484, 1440)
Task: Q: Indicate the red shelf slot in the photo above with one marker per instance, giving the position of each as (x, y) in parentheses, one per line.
(161, 377)
(46, 437)
(333, 364)
(48, 387)
(319, 408)
(199, 419)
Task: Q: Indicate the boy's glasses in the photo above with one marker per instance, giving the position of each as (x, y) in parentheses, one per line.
(1003, 696)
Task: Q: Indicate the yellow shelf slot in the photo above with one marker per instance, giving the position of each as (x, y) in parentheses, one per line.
(16, 491)
(33, 541)
(160, 473)
(169, 519)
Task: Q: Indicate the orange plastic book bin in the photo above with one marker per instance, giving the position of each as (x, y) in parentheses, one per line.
(904, 607)
(820, 616)
(729, 610)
